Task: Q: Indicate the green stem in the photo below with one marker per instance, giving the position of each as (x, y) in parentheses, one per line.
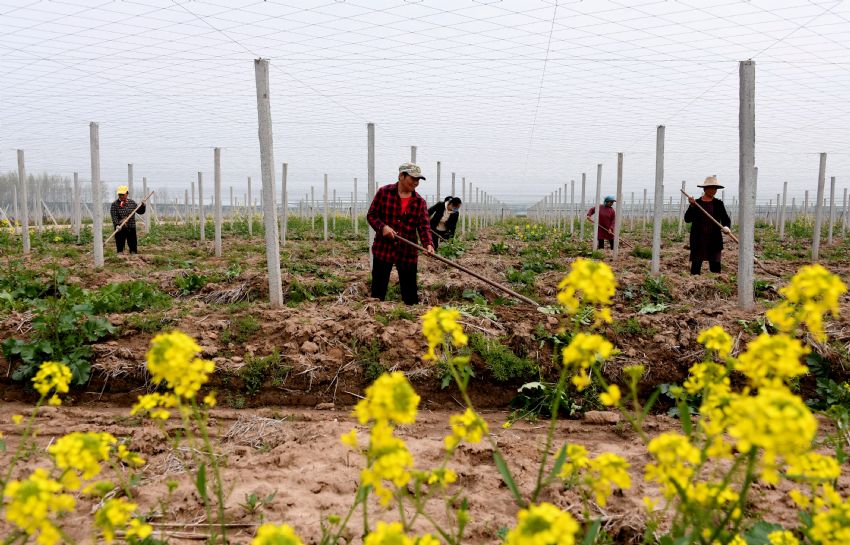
(187, 427)
(219, 487)
(24, 440)
(553, 421)
(742, 496)
(344, 523)
(401, 514)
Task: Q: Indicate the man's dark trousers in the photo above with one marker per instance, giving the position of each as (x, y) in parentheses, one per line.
(406, 279)
(126, 235)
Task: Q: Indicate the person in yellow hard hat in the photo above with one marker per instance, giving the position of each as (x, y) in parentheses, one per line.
(123, 207)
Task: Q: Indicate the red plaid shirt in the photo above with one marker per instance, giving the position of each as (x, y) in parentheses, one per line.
(386, 210)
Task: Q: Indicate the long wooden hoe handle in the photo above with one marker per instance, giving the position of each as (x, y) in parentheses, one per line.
(121, 225)
(451, 263)
(623, 242)
(731, 235)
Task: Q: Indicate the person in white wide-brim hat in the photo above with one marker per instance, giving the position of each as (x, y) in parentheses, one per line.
(706, 236)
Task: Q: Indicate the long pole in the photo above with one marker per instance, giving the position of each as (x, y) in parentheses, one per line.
(439, 194)
(97, 197)
(76, 207)
(264, 115)
(325, 210)
(655, 267)
(618, 218)
(583, 184)
(819, 208)
(782, 213)
(354, 218)
(746, 182)
(451, 263)
(250, 210)
(25, 219)
(284, 203)
(831, 210)
(201, 216)
(597, 205)
(217, 195)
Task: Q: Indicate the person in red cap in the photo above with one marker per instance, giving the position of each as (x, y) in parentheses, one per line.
(398, 209)
(607, 217)
(706, 237)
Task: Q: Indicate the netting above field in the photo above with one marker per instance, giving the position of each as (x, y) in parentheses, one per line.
(517, 96)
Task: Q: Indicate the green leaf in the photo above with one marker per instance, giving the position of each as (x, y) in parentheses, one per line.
(201, 482)
(502, 466)
(559, 463)
(592, 532)
(757, 535)
(685, 416)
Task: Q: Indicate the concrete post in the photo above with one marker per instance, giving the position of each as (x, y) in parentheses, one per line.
(264, 115)
(250, 209)
(819, 208)
(202, 220)
(746, 182)
(370, 180)
(806, 205)
(412, 154)
(595, 235)
(217, 196)
(845, 215)
(655, 267)
(560, 200)
(25, 216)
(36, 205)
(284, 203)
(312, 207)
(572, 207)
(77, 217)
(325, 210)
(355, 220)
(453, 187)
(644, 210)
(618, 218)
(681, 226)
(782, 215)
(583, 210)
(96, 192)
(336, 211)
(831, 210)
(463, 216)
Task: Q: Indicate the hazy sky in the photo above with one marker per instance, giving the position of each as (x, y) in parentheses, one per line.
(518, 96)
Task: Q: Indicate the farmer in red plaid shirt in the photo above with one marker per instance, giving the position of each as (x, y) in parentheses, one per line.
(398, 208)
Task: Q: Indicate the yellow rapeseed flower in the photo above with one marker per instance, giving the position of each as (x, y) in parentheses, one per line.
(675, 458)
(54, 376)
(611, 397)
(576, 460)
(582, 352)
(782, 537)
(130, 458)
(812, 292)
(155, 404)
(209, 400)
(705, 374)
(542, 524)
(17, 419)
(715, 338)
(32, 505)
(274, 534)
(388, 460)
(441, 477)
(770, 360)
(467, 427)
(350, 439)
(82, 452)
(604, 473)
(439, 323)
(117, 515)
(831, 526)
(776, 421)
(173, 359)
(588, 281)
(388, 533)
(390, 398)
(813, 467)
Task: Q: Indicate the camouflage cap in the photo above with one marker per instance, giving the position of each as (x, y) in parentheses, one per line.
(412, 170)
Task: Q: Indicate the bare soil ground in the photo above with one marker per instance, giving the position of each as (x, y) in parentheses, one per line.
(283, 435)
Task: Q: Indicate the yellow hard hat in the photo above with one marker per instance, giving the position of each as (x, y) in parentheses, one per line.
(123, 189)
